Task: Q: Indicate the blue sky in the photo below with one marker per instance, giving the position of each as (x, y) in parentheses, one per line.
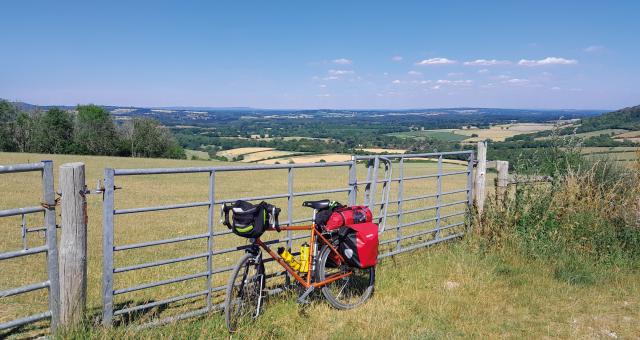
(322, 54)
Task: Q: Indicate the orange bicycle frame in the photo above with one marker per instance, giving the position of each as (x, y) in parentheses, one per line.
(305, 282)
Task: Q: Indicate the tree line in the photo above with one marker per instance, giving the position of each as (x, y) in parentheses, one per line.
(87, 130)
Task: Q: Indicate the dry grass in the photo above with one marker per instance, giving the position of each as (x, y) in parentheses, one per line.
(262, 155)
(501, 132)
(448, 291)
(329, 157)
(379, 150)
(232, 153)
(24, 190)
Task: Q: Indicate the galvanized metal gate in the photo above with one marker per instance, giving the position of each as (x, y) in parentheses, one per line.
(424, 213)
(47, 206)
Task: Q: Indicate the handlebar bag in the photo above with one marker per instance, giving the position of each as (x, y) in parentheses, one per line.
(249, 220)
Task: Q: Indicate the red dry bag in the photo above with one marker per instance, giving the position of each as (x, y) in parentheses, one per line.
(348, 216)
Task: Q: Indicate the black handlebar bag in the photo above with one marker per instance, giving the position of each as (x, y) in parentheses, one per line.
(250, 220)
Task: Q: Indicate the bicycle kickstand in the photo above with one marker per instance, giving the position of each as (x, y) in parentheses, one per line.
(303, 298)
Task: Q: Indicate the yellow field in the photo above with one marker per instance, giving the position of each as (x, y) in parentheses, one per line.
(379, 150)
(501, 132)
(258, 156)
(232, 153)
(330, 157)
(24, 190)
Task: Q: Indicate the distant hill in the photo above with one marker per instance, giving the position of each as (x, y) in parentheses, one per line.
(627, 118)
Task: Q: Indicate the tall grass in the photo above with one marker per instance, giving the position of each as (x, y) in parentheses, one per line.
(584, 222)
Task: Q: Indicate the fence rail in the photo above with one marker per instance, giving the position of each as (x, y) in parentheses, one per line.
(50, 247)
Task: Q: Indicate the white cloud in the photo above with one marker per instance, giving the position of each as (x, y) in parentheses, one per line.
(397, 58)
(323, 95)
(555, 88)
(437, 87)
(436, 61)
(342, 61)
(547, 61)
(397, 81)
(322, 85)
(594, 48)
(516, 81)
(340, 72)
(414, 73)
(466, 82)
(484, 70)
(455, 74)
(330, 78)
(485, 62)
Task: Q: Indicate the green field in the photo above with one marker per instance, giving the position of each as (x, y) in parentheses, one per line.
(435, 134)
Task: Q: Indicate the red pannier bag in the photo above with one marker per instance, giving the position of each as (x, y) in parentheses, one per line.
(358, 244)
(348, 216)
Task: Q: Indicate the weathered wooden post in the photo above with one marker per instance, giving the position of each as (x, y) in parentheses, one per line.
(502, 181)
(73, 245)
(480, 177)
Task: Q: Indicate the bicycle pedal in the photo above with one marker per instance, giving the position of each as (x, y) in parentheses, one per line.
(303, 298)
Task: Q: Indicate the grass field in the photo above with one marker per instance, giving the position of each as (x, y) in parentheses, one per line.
(445, 135)
(495, 133)
(24, 189)
(328, 157)
(612, 132)
(379, 150)
(197, 155)
(233, 153)
(262, 155)
(456, 290)
(448, 291)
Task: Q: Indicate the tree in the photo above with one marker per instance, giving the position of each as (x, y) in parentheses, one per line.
(148, 138)
(95, 131)
(24, 131)
(54, 132)
(8, 114)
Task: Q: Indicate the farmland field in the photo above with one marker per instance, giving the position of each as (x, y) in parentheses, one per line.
(499, 133)
(610, 132)
(445, 135)
(331, 157)
(495, 132)
(380, 150)
(262, 155)
(233, 153)
(196, 154)
(23, 189)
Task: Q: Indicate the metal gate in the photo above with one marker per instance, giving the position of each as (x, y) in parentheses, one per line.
(47, 206)
(423, 214)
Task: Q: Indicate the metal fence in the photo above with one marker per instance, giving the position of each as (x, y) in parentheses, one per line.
(47, 206)
(418, 223)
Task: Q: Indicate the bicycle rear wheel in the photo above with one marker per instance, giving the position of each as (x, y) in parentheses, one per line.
(242, 302)
(348, 292)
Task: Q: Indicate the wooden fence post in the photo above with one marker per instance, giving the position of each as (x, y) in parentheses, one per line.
(502, 181)
(73, 245)
(481, 173)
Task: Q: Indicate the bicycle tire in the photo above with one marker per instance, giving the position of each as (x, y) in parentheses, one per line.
(246, 297)
(361, 288)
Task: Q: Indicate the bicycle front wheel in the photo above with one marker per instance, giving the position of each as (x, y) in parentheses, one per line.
(242, 302)
(348, 292)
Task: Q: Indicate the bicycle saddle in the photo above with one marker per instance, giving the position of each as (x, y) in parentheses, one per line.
(318, 205)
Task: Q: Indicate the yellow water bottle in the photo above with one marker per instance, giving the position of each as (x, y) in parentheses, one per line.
(304, 258)
(288, 258)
